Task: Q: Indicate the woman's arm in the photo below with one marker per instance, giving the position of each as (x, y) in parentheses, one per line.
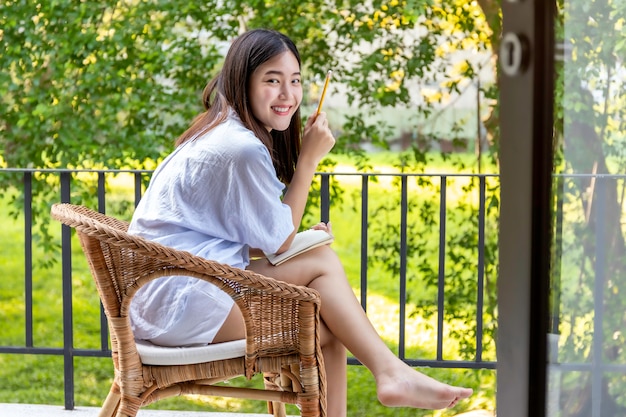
(317, 141)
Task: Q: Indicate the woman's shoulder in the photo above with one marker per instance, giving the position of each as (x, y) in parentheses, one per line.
(233, 131)
(229, 138)
(233, 126)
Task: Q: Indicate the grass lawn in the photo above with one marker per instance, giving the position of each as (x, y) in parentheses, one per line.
(39, 378)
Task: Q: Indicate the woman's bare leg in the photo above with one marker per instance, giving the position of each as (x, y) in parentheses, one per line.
(335, 364)
(398, 385)
(335, 360)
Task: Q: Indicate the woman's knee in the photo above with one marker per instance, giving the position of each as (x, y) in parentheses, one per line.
(304, 268)
(325, 256)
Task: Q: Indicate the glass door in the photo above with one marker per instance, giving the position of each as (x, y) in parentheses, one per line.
(587, 328)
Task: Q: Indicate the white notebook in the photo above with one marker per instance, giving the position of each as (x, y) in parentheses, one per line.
(302, 242)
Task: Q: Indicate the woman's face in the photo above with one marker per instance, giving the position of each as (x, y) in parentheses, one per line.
(275, 91)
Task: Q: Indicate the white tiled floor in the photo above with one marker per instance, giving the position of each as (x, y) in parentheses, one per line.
(33, 410)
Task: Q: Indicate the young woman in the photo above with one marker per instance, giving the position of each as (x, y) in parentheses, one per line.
(219, 195)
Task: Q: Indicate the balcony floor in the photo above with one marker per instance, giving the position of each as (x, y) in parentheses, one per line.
(37, 410)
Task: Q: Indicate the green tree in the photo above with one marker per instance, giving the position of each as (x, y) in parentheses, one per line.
(116, 81)
(110, 84)
(99, 83)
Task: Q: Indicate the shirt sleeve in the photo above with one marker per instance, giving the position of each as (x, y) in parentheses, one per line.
(234, 194)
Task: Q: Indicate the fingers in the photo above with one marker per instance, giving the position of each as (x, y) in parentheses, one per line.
(321, 122)
(318, 139)
(309, 121)
(323, 226)
(315, 117)
(319, 226)
(318, 120)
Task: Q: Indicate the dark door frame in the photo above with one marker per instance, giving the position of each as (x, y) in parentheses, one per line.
(526, 157)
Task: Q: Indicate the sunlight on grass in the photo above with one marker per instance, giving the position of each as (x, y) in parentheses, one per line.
(384, 315)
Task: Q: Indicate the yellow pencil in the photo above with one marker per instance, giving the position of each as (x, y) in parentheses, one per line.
(319, 106)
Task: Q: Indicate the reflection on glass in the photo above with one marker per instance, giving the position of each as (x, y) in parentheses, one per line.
(587, 375)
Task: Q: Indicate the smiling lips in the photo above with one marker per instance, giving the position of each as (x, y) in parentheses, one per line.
(281, 109)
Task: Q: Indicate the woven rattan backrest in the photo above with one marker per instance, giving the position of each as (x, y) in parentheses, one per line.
(113, 267)
(119, 260)
(106, 282)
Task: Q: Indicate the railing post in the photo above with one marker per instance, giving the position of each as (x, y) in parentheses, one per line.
(28, 256)
(137, 187)
(481, 269)
(104, 325)
(68, 331)
(442, 265)
(364, 238)
(325, 197)
(404, 208)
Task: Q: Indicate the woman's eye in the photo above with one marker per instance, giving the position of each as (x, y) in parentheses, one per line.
(296, 81)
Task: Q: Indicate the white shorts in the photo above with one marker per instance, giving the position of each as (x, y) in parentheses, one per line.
(179, 311)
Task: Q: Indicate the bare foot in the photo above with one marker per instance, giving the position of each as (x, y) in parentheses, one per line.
(410, 388)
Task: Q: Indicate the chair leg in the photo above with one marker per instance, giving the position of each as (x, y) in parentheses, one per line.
(112, 403)
(277, 409)
(273, 382)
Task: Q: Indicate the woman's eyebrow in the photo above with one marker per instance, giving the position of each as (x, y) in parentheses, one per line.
(278, 72)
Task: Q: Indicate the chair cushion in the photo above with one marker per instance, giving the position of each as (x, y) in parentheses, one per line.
(152, 354)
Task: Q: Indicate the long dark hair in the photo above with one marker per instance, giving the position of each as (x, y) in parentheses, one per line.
(245, 55)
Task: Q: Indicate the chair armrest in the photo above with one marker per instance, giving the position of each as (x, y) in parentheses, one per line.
(279, 318)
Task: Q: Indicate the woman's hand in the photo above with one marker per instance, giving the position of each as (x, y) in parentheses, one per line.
(318, 139)
(323, 226)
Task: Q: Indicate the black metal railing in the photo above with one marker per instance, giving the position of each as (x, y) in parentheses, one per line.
(59, 183)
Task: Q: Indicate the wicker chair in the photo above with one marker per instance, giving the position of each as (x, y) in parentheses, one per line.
(281, 320)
